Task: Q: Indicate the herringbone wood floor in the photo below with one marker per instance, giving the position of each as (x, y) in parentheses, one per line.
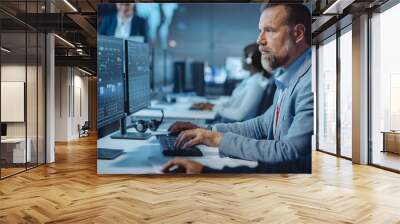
(70, 191)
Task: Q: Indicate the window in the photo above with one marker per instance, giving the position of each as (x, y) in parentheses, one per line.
(346, 93)
(327, 96)
(385, 88)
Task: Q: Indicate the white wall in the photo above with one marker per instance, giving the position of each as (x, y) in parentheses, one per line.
(61, 104)
(71, 94)
(12, 73)
(16, 73)
(81, 83)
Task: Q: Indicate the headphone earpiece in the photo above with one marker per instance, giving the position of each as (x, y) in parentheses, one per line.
(249, 60)
(153, 125)
(140, 126)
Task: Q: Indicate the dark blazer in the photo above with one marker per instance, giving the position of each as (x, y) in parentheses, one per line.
(109, 25)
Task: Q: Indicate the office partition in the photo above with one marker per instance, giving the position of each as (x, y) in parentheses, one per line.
(22, 75)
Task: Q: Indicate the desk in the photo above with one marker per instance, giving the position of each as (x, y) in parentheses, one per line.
(180, 110)
(391, 141)
(145, 157)
(13, 150)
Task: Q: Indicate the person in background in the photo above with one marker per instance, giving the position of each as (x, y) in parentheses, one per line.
(124, 23)
(246, 97)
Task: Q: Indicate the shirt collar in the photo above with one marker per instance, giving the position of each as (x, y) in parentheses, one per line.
(284, 76)
(122, 21)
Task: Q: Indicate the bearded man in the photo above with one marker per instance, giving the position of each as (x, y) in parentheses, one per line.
(280, 139)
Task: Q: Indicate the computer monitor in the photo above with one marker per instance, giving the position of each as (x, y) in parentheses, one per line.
(179, 76)
(197, 73)
(3, 130)
(189, 77)
(215, 75)
(138, 76)
(188, 85)
(234, 67)
(110, 71)
(137, 85)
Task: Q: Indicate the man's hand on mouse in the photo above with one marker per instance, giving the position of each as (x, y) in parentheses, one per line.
(197, 136)
(190, 166)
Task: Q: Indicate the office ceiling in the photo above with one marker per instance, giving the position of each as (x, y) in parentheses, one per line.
(80, 27)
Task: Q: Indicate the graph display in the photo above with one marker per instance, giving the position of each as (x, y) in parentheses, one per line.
(110, 71)
(138, 71)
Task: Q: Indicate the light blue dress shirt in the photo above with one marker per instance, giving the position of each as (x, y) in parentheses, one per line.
(284, 76)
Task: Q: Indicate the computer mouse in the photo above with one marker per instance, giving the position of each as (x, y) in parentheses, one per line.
(176, 169)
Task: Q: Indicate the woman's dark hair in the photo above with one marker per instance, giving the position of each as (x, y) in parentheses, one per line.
(251, 51)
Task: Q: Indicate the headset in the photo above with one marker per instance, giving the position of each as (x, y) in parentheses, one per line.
(142, 125)
(251, 57)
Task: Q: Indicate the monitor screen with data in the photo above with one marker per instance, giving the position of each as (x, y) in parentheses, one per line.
(110, 90)
(138, 76)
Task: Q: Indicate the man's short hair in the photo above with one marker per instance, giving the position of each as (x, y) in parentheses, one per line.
(297, 14)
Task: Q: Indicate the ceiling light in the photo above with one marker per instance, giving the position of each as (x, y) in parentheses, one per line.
(65, 41)
(84, 71)
(338, 6)
(172, 43)
(5, 50)
(70, 5)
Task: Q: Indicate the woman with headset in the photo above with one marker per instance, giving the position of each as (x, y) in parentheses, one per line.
(247, 96)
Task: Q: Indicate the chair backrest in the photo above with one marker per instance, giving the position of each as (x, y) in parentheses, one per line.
(268, 98)
(86, 125)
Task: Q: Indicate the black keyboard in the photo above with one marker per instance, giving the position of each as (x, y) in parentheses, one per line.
(167, 145)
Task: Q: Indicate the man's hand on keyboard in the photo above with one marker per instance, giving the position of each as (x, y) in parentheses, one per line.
(181, 126)
(197, 136)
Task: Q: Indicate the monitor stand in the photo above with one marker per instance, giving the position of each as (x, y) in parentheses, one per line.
(131, 135)
(123, 134)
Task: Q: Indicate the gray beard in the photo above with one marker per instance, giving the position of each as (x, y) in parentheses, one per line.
(269, 63)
